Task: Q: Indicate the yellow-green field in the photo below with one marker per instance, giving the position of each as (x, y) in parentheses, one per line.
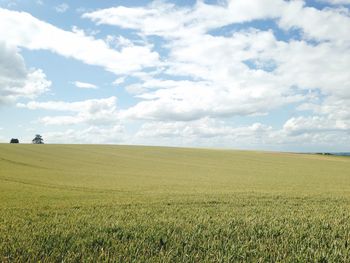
(88, 203)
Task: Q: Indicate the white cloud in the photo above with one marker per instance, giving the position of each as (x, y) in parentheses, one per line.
(334, 110)
(90, 135)
(84, 85)
(223, 84)
(312, 22)
(206, 77)
(312, 124)
(118, 42)
(245, 72)
(317, 133)
(31, 33)
(61, 8)
(211, 132)
(167, 20)
(89, 121)
(93, 112)
(16, 80)
(119, 81)
(203, 128)
(207, 132)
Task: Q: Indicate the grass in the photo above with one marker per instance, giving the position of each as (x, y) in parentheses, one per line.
(91, 203)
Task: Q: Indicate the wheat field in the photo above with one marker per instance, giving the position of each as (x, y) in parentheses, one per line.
(88, 203)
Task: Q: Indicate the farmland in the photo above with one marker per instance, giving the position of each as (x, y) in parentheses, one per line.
(156, 204)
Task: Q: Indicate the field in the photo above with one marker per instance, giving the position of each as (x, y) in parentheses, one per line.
(88, 203)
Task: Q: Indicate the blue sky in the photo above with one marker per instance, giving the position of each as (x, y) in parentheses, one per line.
(247, 74)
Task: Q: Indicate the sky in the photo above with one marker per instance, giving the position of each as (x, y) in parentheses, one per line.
(240, 74)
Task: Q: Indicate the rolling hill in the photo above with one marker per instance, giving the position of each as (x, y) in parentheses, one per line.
(136, 203)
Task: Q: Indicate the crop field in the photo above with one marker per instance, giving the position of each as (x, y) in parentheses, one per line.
(89, 203)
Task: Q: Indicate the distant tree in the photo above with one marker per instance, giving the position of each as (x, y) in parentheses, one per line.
(38, 139)
(13, 140)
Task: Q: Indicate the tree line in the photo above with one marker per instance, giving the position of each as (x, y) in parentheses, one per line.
(38, 139)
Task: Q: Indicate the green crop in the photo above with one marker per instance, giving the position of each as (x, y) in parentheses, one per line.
(88, 203)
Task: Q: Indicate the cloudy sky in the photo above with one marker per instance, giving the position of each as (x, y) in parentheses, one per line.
(248, 74)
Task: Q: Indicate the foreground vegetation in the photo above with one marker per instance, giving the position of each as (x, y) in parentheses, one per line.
(129, 204)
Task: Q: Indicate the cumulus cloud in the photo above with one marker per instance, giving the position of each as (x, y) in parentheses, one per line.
(243, 72)
(312, 124)
(213, 65)
(189, 100)
(34, 34)
(166, 20)
(119, 81)
(16, 80)
(311, 21)
(89, 121)
(91, 134)
(314, 133)
(93, 112)
(84, 85)
(203, 128)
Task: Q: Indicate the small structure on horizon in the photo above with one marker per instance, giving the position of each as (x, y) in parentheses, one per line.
(14, 140)
(38, 139)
